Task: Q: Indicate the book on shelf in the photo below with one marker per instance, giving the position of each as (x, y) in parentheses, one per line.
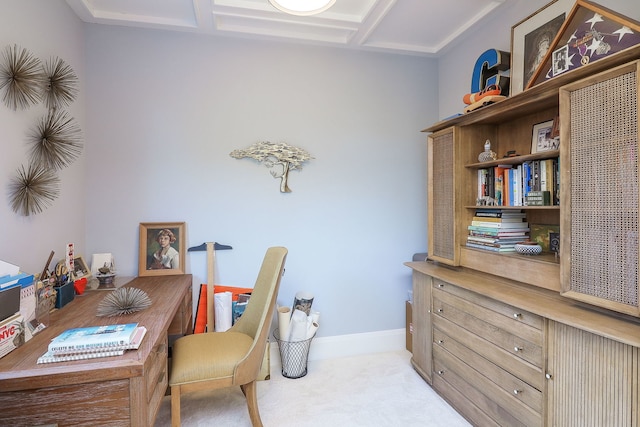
(65, 356)
(491, 248)
(495, 230)
(501, 225)
(496, 240)
(92, 337)
(519, 218)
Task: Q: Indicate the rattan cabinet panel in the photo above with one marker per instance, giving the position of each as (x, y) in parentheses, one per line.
(599, 164)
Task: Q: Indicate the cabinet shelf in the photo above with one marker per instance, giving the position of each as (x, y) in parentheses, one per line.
(516, 160)
(547, 207)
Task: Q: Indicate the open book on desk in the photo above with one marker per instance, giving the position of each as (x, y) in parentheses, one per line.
(91, 353)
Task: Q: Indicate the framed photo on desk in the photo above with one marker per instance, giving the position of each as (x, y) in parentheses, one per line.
(162, 248)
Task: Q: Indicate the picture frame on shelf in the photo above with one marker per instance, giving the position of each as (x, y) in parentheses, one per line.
(162, 248)
(541, 138)
(531, 39)
(589, 33)
(80, 268)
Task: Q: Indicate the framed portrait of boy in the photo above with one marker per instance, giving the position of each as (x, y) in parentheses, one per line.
(162, 248)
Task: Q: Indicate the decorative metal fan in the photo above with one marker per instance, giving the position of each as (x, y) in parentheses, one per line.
(123, 301)
(56, 141)
(60, 86)
(33, 190)
(21, 78)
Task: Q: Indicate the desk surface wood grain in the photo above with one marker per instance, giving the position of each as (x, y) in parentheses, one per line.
(19, 370)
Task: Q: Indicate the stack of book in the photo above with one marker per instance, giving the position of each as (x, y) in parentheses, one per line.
(497, 230)
(94, 341)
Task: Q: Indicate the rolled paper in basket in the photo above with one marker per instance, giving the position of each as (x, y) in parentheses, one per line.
(303, 301)
(284, 321)
(223, 311)
(315, 316)
(298, 329)
(311, 330)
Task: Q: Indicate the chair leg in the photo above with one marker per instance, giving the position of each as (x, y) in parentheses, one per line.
(175, 406)
(250, 392)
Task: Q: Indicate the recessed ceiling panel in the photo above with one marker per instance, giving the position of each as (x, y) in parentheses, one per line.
(417, 27)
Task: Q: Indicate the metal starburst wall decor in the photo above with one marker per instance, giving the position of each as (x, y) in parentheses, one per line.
(21, 78)
(33, 190)
(61, 84)
(56, 141)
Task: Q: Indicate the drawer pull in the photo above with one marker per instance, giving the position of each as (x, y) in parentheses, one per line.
(441, 372)
(440, 310)
(548, 376)
(516, 391)
(517, 349)
(517, 315)
(441, 285)
(440, 341)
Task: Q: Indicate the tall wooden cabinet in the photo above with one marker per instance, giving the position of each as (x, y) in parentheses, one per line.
(539, 340)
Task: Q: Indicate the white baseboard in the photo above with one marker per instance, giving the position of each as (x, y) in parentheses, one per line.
(348, 345)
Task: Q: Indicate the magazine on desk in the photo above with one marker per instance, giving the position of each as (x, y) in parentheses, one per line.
(94, 352)
(93, 337)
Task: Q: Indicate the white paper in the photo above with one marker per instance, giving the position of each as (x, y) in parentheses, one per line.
(284, 321)
(311, 330)
(98, 261)
(8, 269)
(298, 328)
(315, 316)
(223, 311)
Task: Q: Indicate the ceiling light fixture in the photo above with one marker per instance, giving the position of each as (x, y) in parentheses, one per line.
(302, 7)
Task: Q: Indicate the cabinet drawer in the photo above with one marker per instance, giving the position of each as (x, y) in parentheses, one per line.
(181, 323)
(510, 384)
(508, 317)
(500, 406)
(156, 373)
(518, 367)
(518, 339)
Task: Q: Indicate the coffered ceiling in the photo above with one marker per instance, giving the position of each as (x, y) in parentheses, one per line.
(414, 27)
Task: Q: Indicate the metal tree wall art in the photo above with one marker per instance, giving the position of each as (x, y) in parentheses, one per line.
(32, 190)
(60, 84)
(56, 141)
(276, 154)
(21, 78)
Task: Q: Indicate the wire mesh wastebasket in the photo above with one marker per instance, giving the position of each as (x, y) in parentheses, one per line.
(294, 356)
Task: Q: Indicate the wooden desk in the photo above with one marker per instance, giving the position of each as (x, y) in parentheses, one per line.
(111, 391)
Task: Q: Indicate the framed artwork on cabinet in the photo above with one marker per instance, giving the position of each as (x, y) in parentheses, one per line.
(542, 137)
(531, 39)
(162, 248)
(590, 32)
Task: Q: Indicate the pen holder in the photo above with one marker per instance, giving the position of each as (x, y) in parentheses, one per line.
(65, 294)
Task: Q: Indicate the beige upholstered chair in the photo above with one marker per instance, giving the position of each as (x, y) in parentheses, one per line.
(232, 358)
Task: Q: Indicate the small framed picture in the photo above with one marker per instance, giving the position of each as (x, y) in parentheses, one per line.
(80, 268)
(162, 248)
(542, 139)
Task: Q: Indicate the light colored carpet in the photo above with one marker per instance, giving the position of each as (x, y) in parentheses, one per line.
(379, 390)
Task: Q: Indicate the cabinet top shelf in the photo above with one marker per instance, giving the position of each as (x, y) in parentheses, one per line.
(537, 98)
(516, 160)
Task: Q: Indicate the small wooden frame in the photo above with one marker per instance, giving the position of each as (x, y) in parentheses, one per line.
(541, 138)
(80, 268)
(157, 260)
